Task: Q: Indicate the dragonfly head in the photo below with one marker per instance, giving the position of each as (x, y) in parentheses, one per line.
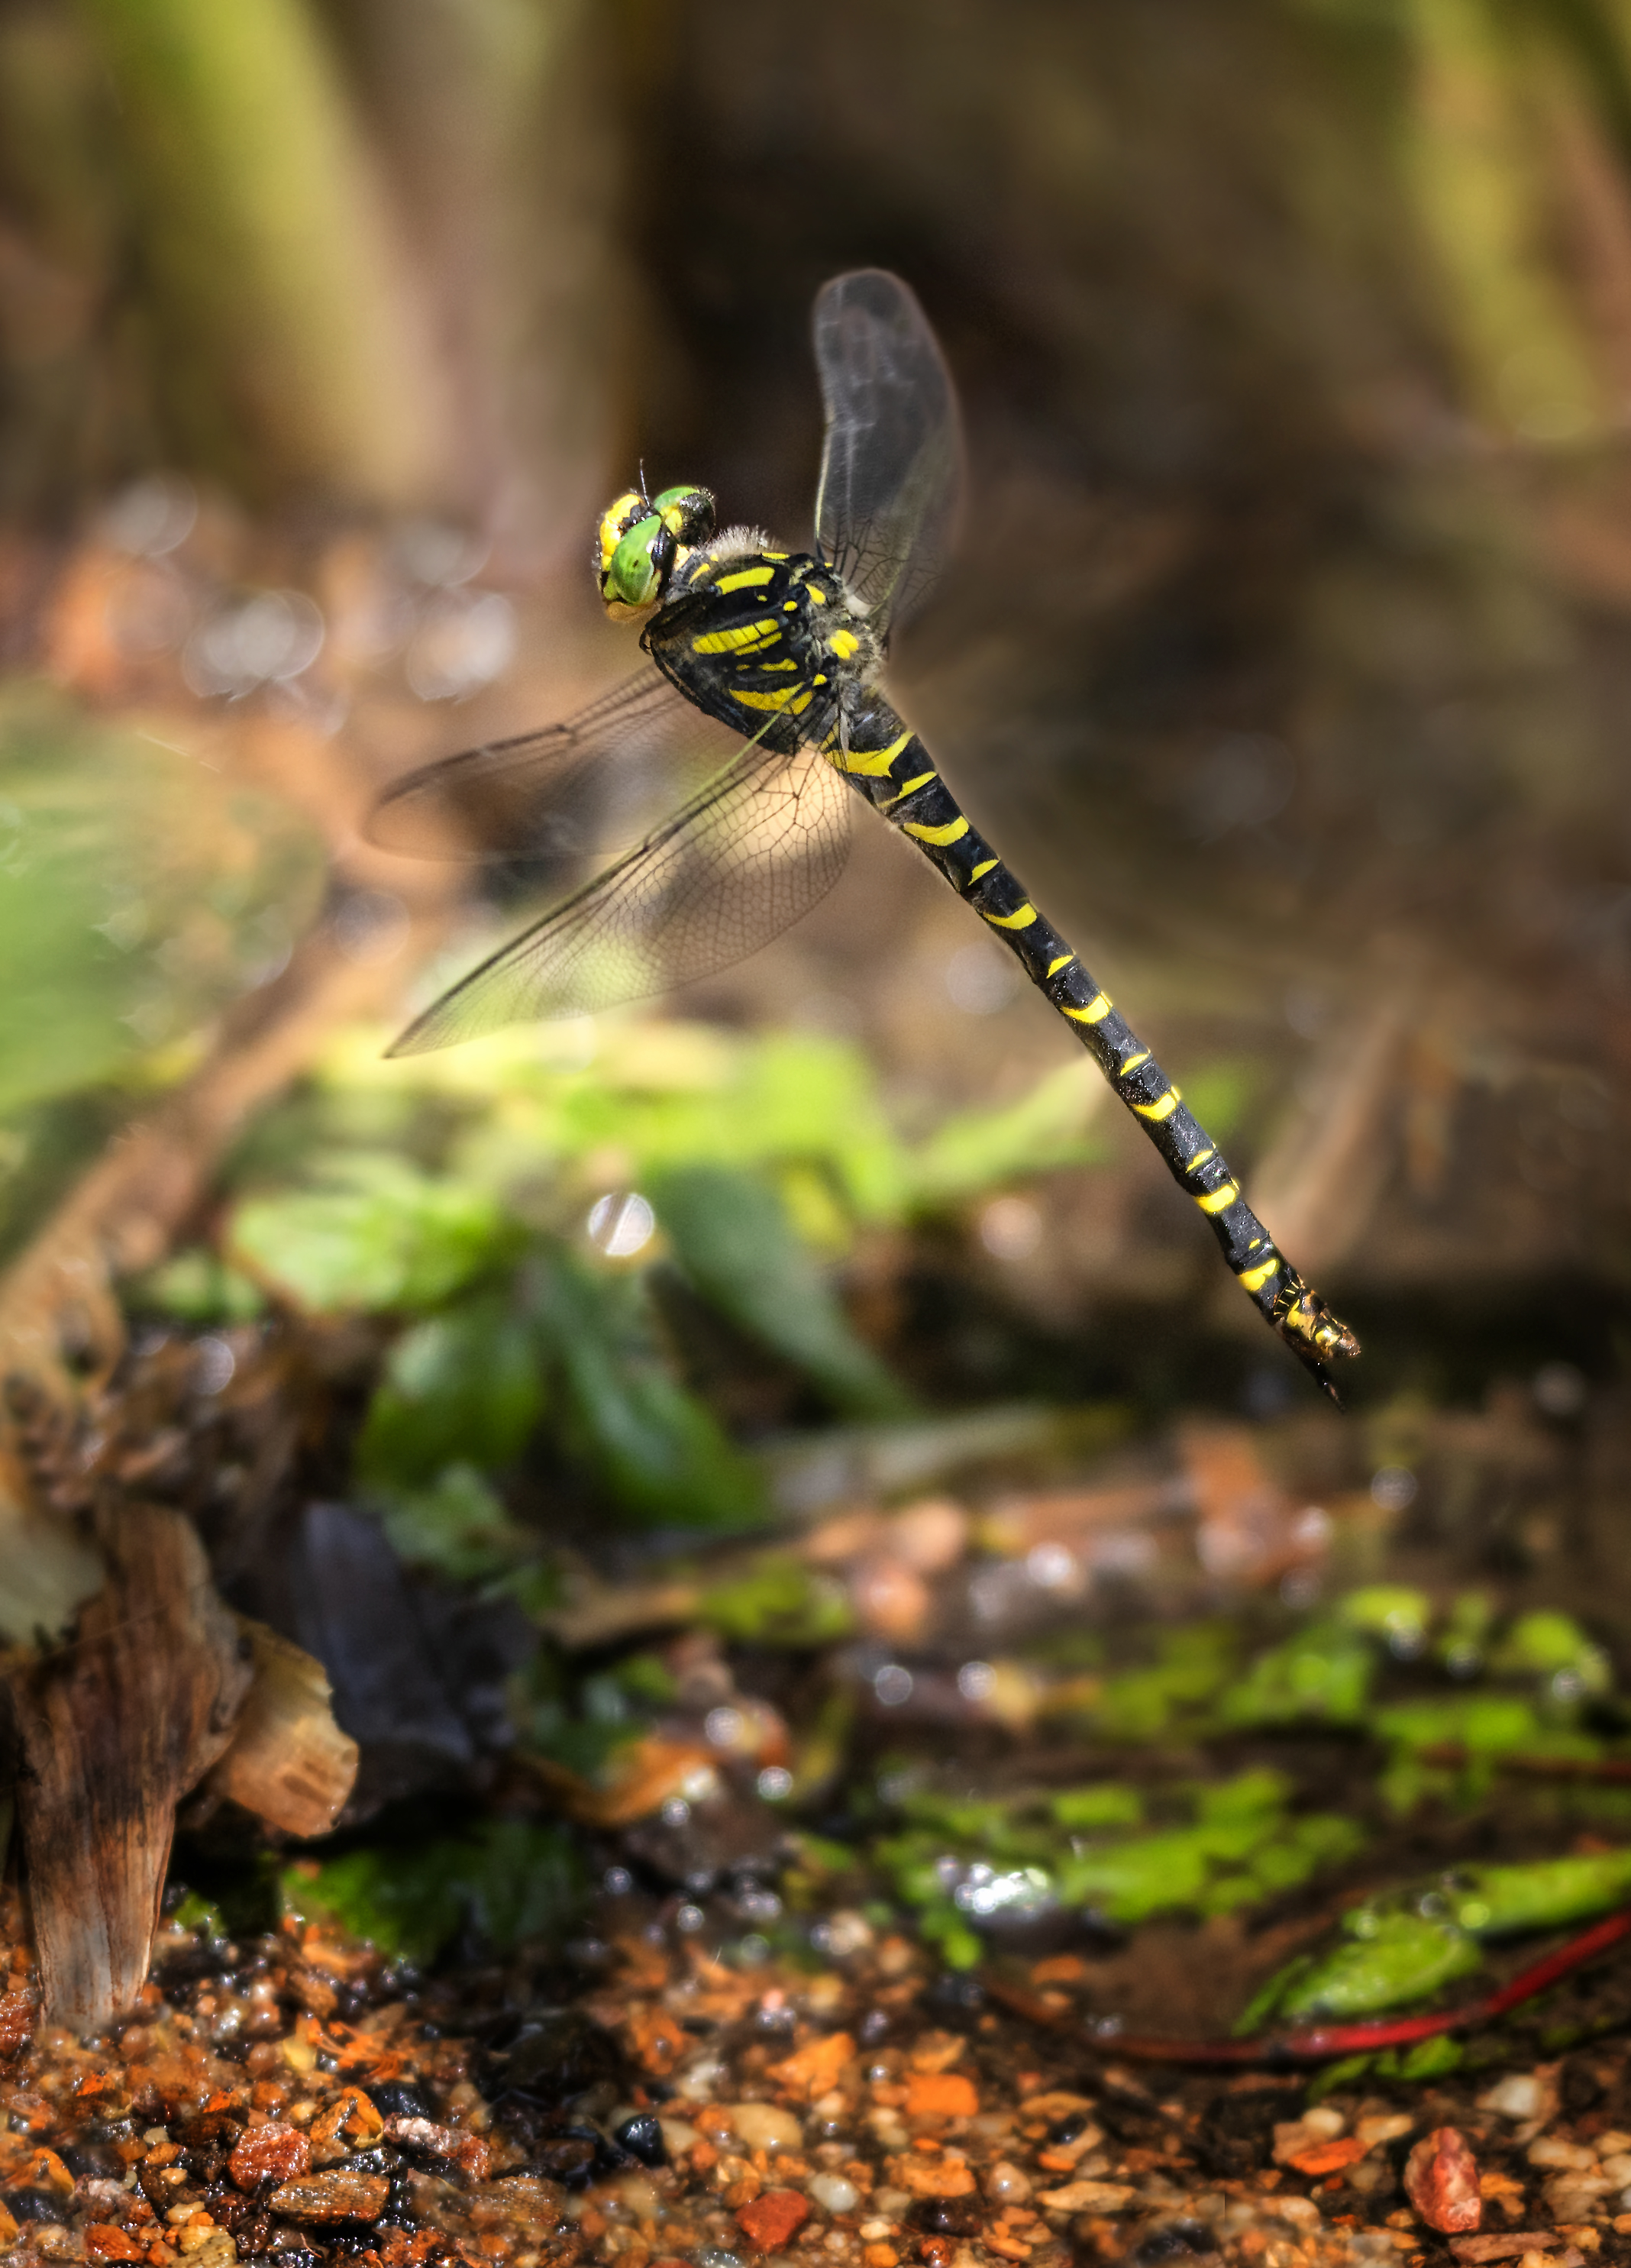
(641, 540)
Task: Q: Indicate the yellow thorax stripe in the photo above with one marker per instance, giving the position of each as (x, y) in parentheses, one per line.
(747, 579)
(785, 697)
(745, 634)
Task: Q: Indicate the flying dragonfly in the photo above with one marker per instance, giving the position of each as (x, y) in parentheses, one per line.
(765, 708)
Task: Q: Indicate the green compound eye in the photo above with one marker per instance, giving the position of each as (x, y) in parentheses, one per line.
(632, 575)
(687, 513)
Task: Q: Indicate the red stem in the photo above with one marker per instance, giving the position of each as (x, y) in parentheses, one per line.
(1328, 2040)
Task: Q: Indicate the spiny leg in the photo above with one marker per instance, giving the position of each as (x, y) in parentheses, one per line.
(890, 765)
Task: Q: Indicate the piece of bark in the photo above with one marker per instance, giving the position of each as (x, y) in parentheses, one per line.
(114, 1727)
(288, 1761)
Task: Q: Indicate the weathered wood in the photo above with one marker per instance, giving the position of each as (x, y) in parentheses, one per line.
(288, 1762)
(114, 1727)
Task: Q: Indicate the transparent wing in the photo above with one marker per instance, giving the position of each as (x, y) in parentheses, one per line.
(739, 863)
(891, 466)
(597, 781)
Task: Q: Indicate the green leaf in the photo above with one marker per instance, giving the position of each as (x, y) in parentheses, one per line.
(1046, 1129)
(1397, 1616)
(1386, 1961)
(1554, 1644)
(198, 1288)
(1196, 1666)
(731, 1236)
(465, 1385)
(659, 1454)
(1545, 1896)
(1109, 1803)
(1485, 1724)
(1433, 2058)
(508, 1881)
(1248, 1795)
(385, 1236)
(779, 1601)
(1323, 1674)
(456, 1525)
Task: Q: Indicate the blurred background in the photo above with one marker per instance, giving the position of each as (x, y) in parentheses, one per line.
(1284, 653)
(1286, 656)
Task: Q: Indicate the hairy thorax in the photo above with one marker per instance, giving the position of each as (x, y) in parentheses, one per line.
(770, 643)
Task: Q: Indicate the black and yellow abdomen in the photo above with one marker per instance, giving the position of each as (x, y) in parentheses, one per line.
(772, 644)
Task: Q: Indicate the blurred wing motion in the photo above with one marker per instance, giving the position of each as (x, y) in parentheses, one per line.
(891, 466)
(757, 848)
(595, 781)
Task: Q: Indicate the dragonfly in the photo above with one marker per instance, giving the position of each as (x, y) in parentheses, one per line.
(760, 716)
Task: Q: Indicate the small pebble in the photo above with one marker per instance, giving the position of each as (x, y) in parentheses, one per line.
(832, 2193)
(769, 2221)
(1569, 2156)
(1006, 2184)
(764, 2126)
(1519, 2095)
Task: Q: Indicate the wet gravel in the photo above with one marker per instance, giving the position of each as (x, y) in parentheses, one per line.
(295, 2099)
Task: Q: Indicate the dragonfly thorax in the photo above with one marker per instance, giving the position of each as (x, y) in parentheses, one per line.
(770, 643)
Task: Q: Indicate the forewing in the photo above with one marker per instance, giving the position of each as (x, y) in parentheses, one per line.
(892, 465)
(597, 781)
(755, 850)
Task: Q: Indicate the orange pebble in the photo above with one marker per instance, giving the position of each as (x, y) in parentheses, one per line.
(940, 2093)
(769, 2221)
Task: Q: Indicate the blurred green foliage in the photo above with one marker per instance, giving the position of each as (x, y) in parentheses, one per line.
(450, 1197)
(140, 891)
(505, 1882)
(657, 1451)
(959, 1861)
(1384, 1960)
(732, 1236)
(1399, 1949)
(378, 1235)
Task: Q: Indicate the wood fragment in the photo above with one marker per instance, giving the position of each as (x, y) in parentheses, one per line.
(288, 1760)
(114, 1727)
